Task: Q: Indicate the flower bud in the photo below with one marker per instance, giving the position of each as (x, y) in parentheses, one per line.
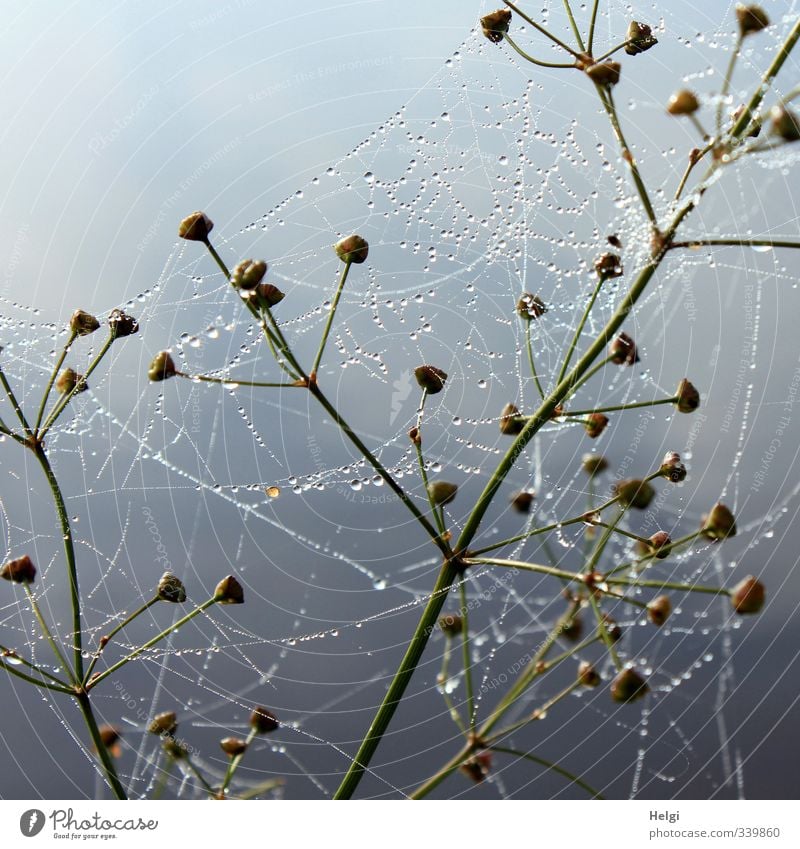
(451, 624)
(612, 628)
(683, 102)
(229, 591)
(263, 721)
(622, 350)
(659, 609)
(634, 493)
(176, 749)
(415, 436)
(672, 468)
(604, 73)
(170, 588)
(442, 492)
(248, 274)
(748, 595)
(162, 367)
(530, 307)
(595, 424)
(478, 767)
(495, 25)
(785, 123)
(688, 397)
(20, 571)
(266, 295)
(718, 523)
(659, 541)
(233, 746)
(430, 378)
(352, 249)
(110, 737)
(628, 686)
(196, 227)
(593, 464)
(608, 265)
(572, 630)
(522, 501)
(751, 19)
(164, 724)
(68, 380)
(588, 675)
(83, 323)
(122, 324)
(511, 423)
(640, 37)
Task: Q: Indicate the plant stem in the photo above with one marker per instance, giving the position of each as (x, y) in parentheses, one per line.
(230, 381)
(199, 775)
(735, 242)
(48, 635)
(30, 679)
(592, 23)
(620, 407)
(9, 655)
(331, 316)
(467, 661)
(444, 677)
(540, 62)
(574, 26)
(726, 83)
(60, 362)
(694, 157)
(668, 585)
(234, 763)
(448, 769)
(542, 30)
(579, 330)
(102, 750)
(613, 50)
(529, 346)
(603, 629)
(525, 567)
(552, 766)
(14, 403)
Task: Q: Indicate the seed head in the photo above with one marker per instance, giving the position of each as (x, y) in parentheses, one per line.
(522, 501)
(229, 591)
(430, 378)
(659, 609)
(608, 265)
(196, 227)
(233, 746)
(593, 464)
(122, 324)
(595, 424)
(495, 25)
(511, 422)
(688, 397)
(451, 624)
(751, 19)
(748, 595)
(442, 492)
(170, 588)
(588, 675)
(248, 274)
(785, 123)
(634, 493)
(68, 380)
(263, 721)
(628, 686)
(352, 249)
(683, 102)
(641, 38)
(530, 307)
(20, 571)
(622, 350)
(660, 540)
(573, 629)
(164, 724)
(176, 749)
(162, 367)
(83, 323)
(604, 73)
(672, 468)
(719, 523)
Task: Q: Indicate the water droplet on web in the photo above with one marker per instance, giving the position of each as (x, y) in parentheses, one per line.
(355, 485)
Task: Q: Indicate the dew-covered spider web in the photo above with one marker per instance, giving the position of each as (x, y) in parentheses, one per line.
(495, 179)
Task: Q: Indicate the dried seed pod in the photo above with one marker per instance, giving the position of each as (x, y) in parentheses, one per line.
(495, 25)
(659, 609)
(530, 307)
(751, 19)
(588, 675)
(511, 422)
(628, 686)
(20, 570)
(672, 468)
(683, 102)
(263, 721)
(352, 249)
(229, 591)
(248, 273)
(608, 266)
(478, 767)
(442, 492)
(164, 724)
(430, 378)
(688, 397)
(622, 350)
(196, 227)
(719, 523)
(233, 746)
(748, 595)
(162, 367)
(68, 380)
(595, 424)
(170, 588)
(121, 324)
(605, 73)
(522, 501)
(451, 624)
(83, 323)
(634, 492)
(640, 37)
(785, 123)
(593, 464)
(659, 541)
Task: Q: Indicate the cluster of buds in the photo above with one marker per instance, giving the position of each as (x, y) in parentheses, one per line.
(639, 37)
(495, 25)
(622, 350)
(451, 624)
(352, 249)
(430, 378)
(162, 367)
(530, 307)
(522, 501)
(171, 589)
(19, 571)
(634, 493)
(595, 424)
(511, 422)
(229, 591)
(672, 468)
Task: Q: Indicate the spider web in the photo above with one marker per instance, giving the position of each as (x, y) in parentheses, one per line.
(490, 181)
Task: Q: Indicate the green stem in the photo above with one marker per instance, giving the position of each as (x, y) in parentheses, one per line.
(603, 629)
(447, 770)
(228, 381)
(694, 157)
(72, 336)
(529, 345)
(609, 529)
(579, 330)
(542, 30)
(668, 585)
(665, 549)
(592, 23)
(102, 750)
(701, 130)
(10, 655)
(199, 775)
(619, 407)
(741, 243)
(535, 716)
(263, 787)
(552, 766)
(613, 50)
(574, 26)
(540, 62)
(31, 680)
(234, 763)
(48, 635)
(726, 83)
(331, 316)
(466, 659)
(14, 403)
(524, 567)
(444, 677)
